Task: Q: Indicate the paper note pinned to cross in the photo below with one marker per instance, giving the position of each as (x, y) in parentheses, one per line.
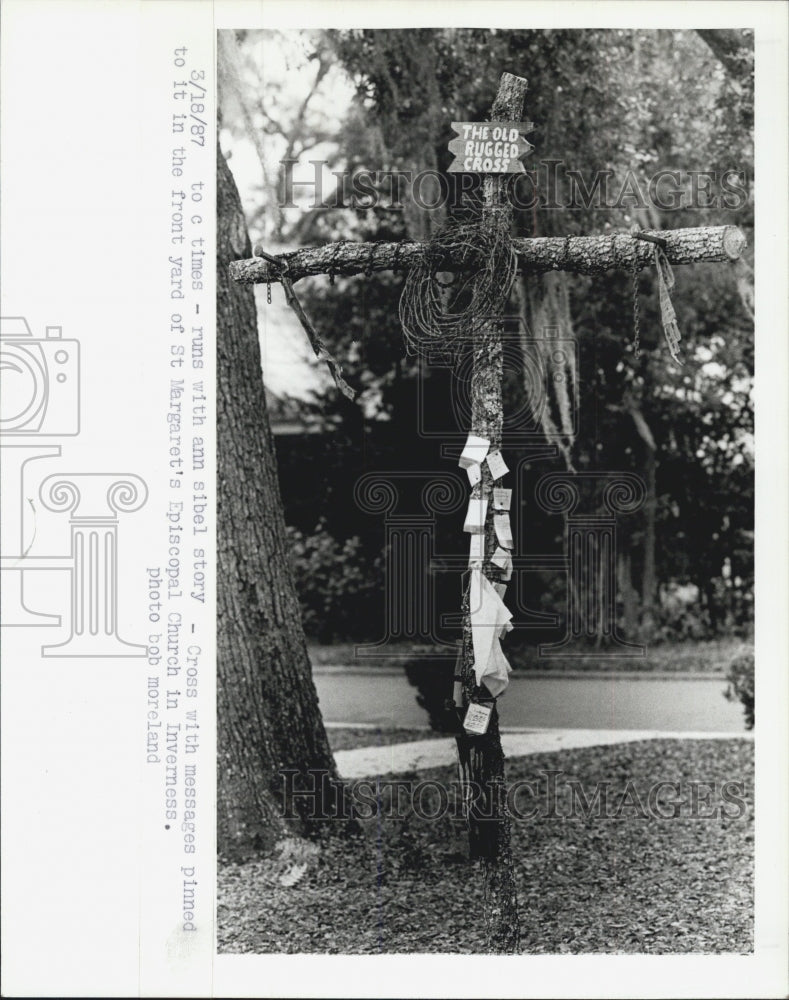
(474, 473)
(474, 452)
(487, 609)
(477, 719)
(500, 558)
(489, 615)
(502, 499)
(476, 550)
(503, 560)
(501, 523)
(475, 517)
(497, 465)
(497, 675)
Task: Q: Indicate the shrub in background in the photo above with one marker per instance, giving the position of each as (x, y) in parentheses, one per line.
(679, 617)
(433, 681)
(741, 685)
(340, 588)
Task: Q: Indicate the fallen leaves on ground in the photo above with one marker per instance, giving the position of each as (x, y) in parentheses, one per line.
(634, 880)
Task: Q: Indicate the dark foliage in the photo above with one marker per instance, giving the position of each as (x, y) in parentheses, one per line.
(742, 685)
(629, 102)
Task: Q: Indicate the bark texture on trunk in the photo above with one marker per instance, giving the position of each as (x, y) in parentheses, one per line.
(578, 254)
(267, 707)
(629, 595)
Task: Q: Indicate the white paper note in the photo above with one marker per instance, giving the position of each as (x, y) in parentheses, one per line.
(497, 465)
(502, 498)
(475, 517)
(489, 615)
(507, 570)
(474, 473)
(475, 593)
(501, 558)
(476, 550)
(497, 676)
(474, 452)
(505, 629)
(501, 522)
(477, 719)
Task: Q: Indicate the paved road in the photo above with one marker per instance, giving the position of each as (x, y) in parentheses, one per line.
(547, 702)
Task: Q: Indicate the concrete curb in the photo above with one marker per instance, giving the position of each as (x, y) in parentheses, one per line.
(419, 755)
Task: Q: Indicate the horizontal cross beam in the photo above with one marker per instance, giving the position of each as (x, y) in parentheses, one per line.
(577, 254)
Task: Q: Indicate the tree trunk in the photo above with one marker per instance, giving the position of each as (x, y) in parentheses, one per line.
(578, 254)
(267, 707)
(629, 595)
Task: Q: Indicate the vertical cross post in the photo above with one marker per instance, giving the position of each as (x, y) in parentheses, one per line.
(489, 828)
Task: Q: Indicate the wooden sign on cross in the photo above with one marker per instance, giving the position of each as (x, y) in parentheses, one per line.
(489, 147)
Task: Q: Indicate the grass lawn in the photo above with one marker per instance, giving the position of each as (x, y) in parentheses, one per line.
(625, 882)
(712, 657)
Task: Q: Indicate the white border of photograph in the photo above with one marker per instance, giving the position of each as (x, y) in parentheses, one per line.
(88, 907)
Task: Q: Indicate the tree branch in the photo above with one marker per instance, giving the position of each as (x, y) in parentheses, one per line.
(730, 48)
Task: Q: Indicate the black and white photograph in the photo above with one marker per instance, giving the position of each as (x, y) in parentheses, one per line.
(394, 429)
(506, 276)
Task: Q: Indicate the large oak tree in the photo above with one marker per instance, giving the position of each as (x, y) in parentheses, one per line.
(268, 715)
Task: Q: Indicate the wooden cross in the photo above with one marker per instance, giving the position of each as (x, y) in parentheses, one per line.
(575, 254)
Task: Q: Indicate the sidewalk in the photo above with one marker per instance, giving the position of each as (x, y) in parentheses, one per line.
(366, 762)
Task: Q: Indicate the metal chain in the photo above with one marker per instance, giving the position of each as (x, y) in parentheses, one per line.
(636, 306)
(333, 261)
(396, 266)
(257, 251)
(368, 271)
